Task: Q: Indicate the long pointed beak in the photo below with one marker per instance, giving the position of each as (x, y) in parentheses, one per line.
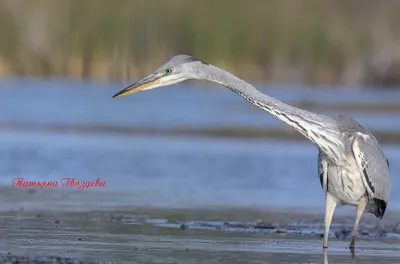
(147, 82)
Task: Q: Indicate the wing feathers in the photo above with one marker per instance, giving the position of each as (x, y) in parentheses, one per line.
(373, 166)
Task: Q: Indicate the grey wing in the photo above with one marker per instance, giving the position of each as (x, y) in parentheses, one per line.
(373, 165)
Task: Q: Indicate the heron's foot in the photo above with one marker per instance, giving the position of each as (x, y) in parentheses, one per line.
(352, 242)
(325, 242)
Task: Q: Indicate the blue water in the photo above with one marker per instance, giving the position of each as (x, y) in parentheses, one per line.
(172, 171)
(188, 105)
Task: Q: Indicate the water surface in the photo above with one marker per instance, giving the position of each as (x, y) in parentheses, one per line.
(142, 172)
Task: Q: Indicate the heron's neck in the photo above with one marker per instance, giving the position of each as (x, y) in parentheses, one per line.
(320, 129)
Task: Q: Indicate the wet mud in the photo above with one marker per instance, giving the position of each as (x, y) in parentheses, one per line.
(41, 234)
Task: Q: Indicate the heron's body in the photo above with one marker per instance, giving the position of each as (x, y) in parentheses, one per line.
(346, 182)
(352, 167)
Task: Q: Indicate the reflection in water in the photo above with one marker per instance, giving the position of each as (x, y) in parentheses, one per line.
(353, 256)
(133, 237)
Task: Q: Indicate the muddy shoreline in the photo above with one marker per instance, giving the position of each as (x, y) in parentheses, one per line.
(36, 223)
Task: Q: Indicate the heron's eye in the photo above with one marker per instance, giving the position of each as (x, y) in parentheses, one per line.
(168, 70)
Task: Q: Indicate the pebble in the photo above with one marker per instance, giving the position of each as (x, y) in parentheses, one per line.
(281, 231)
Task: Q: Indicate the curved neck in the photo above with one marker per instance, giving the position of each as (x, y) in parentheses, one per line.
(320, 129)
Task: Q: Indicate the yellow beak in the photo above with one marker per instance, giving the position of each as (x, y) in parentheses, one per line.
(147, 82)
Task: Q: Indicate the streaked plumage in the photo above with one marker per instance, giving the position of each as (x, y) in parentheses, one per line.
(366, 169)
(352, 167)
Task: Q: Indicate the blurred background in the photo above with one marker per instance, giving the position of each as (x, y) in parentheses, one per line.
(313, 42)
(195, 145)
(62, 60)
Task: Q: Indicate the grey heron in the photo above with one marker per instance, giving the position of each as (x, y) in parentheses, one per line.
(352, 167)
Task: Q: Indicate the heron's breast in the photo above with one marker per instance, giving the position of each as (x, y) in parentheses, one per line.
(345, 183)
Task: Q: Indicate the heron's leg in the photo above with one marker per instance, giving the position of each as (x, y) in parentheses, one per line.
(325, 256)
(360, 209)
(330, 205)
(353, 257)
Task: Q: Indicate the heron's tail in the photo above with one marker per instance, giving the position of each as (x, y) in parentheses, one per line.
(377, 207)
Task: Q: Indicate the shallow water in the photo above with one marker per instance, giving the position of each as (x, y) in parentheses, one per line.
(187, 105)
(178, 172)
(123, 239)
(272, 177)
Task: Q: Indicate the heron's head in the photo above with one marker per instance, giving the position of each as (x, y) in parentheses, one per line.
(177, 69)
